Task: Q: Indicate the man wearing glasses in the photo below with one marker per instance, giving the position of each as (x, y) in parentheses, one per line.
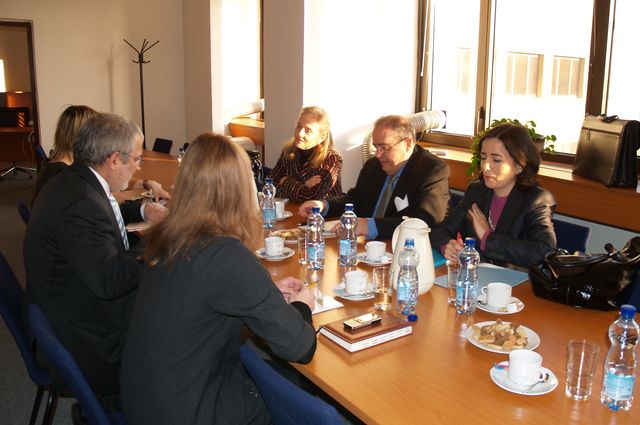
(81, 268)
(402, 180)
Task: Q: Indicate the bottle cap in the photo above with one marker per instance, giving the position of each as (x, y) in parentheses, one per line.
(409, 242)
(627, 311)
(315, 210)
(348, 207)
(469, 242)
(412, 317)
(268, 180)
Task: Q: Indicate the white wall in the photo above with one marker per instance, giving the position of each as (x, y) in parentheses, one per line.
(80, 58)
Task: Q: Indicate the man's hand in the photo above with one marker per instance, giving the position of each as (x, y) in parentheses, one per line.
(157, 190)
(154, 212)
(305, 209)
(313, 181)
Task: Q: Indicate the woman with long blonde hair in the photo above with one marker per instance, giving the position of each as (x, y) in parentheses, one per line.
(309, 166)
(202, 285)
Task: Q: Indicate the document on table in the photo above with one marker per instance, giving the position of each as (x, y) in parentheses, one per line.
(328, 303)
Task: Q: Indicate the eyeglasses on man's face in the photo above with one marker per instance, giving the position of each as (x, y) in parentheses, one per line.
(138, 159)
(379, 150)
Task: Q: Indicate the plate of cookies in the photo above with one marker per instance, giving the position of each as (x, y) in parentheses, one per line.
(289, 235)
(502, 337)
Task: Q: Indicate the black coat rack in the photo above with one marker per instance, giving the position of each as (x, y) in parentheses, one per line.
(145, 48)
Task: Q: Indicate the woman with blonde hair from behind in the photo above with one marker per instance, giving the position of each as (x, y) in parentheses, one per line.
(309, 166)
(202, 285)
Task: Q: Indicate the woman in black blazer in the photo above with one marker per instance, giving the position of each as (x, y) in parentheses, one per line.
(505, 210)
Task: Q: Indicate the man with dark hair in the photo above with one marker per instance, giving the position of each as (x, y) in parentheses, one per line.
(80, 268)
(402, 180)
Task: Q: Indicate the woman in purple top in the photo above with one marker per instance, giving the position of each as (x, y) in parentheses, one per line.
(505, 210)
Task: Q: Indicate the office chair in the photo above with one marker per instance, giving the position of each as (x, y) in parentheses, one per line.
(454, 200)
(287, 404)
(11, 310)
(162, 145)
(24, 211)
(570, 236)
(67, 368)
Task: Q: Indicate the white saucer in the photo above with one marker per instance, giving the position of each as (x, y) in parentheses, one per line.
(532, 338)
(499, 310)
(383, 261)
(501, 379)
(285, 200)
(147, 194)
(288, 252)
(286, 215)
(339, 291)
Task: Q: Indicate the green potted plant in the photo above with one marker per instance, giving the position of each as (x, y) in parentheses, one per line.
(545, 143)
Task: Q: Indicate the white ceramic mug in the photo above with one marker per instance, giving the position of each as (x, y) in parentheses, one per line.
(279, 209)
(355, 282)
(375, 250)
(273, 246)
(525, 367)
(497, 294)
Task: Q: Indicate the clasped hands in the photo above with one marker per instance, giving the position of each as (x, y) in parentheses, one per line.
(480, 227)
(295, 290)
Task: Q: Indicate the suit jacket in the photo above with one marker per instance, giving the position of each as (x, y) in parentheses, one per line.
(424, 183)
(524, 233)
(79, 273)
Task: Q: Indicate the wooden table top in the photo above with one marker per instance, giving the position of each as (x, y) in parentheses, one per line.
(435, 376)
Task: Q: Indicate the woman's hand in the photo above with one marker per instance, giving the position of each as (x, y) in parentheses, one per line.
(479, 221)
(288, 286)
(313, 181)
(452, 250)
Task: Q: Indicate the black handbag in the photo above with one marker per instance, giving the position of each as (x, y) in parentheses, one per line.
(596, 281)
(606, 151)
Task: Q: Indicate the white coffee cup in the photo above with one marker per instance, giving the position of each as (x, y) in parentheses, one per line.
(279, 209)
(375, 250)
(355, 282)
(525, 367)
(497, 294)
(273, 246)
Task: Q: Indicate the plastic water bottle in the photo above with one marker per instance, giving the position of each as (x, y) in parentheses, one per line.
(407, 288)
(268, 204)
(348, 240)
(315, 240)
(467, 282)
(620, 364)
(180, 155)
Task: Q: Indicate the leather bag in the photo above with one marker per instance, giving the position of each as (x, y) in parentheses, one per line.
(595, 281)
(606, 151)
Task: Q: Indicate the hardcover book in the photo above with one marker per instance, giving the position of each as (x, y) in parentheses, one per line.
(390, 327)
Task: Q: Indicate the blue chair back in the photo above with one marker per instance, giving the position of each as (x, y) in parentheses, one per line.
(287, 404)
(24, 211)
(570, 236)
(11, 309)
(162, 145)
(67, 368)
(454, 200)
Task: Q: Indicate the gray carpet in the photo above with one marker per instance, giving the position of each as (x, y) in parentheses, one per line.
(16, 389)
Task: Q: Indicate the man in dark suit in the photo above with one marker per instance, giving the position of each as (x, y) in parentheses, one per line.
(80, 269)
(402, 180)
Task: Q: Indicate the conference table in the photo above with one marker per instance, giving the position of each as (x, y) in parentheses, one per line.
(434, 375)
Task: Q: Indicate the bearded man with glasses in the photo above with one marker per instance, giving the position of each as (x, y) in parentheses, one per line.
(403, 179)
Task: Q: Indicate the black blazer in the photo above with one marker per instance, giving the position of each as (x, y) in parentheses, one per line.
(79, 273)
(524, 233)
(424, 183)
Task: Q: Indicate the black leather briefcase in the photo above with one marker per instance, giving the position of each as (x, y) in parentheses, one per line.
(607, 152)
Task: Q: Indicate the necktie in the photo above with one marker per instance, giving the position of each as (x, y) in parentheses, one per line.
(386, 195)
(118, 214)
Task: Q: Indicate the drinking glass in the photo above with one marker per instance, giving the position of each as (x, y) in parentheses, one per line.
(383, 288)
(452, 277)
(581, 367)
(302, 246)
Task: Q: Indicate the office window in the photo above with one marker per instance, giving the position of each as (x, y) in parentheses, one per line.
(568, 76)
(522, 76)
(624, 84)
(522, 67)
